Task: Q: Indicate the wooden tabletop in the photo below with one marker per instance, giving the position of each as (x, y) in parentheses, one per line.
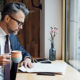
(70, 74)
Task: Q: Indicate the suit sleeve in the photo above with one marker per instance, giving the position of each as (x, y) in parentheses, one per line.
(17, 46)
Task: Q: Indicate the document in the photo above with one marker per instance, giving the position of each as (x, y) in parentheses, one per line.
(59, 68)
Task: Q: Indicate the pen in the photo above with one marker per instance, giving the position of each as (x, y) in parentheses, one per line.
(35, 61)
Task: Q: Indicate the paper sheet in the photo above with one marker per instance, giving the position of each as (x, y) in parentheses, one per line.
(42, 67)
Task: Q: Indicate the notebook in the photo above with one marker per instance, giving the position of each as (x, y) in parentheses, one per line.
(59, 67)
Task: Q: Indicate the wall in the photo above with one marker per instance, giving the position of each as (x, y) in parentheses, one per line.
(50, 15)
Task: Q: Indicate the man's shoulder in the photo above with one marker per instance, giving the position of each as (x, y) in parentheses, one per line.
(12, 36)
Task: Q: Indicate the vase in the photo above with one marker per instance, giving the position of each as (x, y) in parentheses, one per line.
(52, 53)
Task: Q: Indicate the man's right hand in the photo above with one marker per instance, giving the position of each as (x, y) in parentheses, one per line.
(4, 59)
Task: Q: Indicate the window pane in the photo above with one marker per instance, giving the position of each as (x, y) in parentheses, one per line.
(73, 32)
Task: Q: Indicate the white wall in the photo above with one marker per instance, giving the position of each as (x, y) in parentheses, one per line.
(50, 16)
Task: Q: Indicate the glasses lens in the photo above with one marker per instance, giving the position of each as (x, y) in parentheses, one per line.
(19, 23)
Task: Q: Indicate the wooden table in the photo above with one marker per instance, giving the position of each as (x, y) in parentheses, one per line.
(70, 74)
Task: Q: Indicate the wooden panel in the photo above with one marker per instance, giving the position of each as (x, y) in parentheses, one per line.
(32, 30)
(29, 37)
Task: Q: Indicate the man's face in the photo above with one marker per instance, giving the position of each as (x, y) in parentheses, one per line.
(15, 22)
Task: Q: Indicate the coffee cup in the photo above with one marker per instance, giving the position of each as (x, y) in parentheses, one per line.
(16, 56)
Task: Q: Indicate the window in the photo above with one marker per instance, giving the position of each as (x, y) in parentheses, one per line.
(73, 33)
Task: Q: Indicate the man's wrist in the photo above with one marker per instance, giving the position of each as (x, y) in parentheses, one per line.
(27, 57)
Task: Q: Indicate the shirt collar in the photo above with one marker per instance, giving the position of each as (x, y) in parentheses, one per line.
(2, 32)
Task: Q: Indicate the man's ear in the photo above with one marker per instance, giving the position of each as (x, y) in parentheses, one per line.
(6, 18)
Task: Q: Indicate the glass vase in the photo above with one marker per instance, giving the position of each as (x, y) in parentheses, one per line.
(52, 53)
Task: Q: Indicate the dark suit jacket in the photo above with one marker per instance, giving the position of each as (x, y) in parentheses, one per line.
(15, 45)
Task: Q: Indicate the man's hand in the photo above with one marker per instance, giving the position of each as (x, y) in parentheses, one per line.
(27, 63)
(4, 59)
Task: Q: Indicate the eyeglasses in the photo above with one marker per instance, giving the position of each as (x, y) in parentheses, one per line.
(19, 22)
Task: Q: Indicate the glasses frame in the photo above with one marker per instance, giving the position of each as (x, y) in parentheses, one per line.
(19, 22)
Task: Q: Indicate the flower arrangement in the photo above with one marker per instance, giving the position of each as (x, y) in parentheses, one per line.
(53, 34)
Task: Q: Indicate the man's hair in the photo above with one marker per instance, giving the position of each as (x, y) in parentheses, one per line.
(14, 7)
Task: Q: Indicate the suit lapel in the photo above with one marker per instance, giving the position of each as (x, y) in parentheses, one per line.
(12, 41)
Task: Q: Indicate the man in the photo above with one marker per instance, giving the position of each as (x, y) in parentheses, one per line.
(12, 20)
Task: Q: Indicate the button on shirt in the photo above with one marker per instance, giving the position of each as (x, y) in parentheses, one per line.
(2, 44)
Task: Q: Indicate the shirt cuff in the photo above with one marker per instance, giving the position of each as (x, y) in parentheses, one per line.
(27, 57)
